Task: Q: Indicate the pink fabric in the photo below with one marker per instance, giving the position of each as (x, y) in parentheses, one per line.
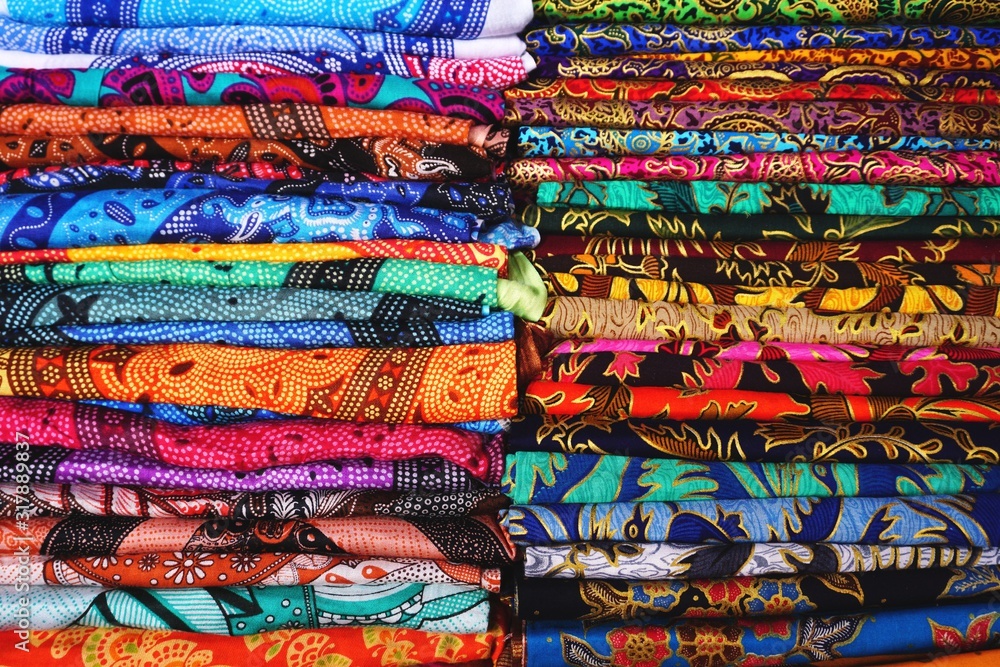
(237, 447)
(978, 168)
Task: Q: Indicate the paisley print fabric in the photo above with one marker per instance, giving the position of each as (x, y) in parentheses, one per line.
(237, 447)
(612, 600)
(620, 319)
(662, 561)
(745, 440)
(969, 168)
(248, 610)
(962, 521)
(85, 647)
(700, 12)
(147, 86)
(613, 39)
(490, 201)
(149, 571)
(385, 157)
(893, 119)
(719, 198)
(541, 478)
(125, 217)
(463, 19)
(579, 142)
(431, 385)
(799, 640)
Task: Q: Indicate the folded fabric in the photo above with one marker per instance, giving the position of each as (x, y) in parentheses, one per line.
(497, 73)
(923, 377)
(495, 328)
(466, 19)
(251, 609)
(536, 142)
(386, 157)
(966, 169)
(754, 351)
(55, 465)
(748, 597)
(705, 12)
(281, 121)
(535, 478)
(756, 273)
(464, 254)
(124, 217)
(960, 59)
(223, 39)
(968, 659)
(791, 640)
(896, 119)
(476, 284)
(621, 319)
(751, 90)
(490, 201)
(269, 569)
(427, 385)
(475, 540)
(142, 86)
(64, 305)
(637, 67)
(238, 447)
(719, 198)
(906, 299)
(613, 39)
(623, 232)
(395, 647)
(623, 402)
(630, 560)
(745, 440)
(56, 500)
(958, 521)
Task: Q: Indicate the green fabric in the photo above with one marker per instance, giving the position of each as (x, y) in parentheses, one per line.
(523, 293)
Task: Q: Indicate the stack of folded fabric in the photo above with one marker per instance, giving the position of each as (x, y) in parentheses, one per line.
(258, 282)
(763, 428)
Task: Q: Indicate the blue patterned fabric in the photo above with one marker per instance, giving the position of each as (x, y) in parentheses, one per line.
(544, 141)
(491, 201)
(607, 39)
(126, 217)
(495, 328)
(461, 19)
(800, 640)
(963, 521)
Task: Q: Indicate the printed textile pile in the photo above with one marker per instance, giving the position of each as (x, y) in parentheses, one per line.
(258, 284)
(762, 427)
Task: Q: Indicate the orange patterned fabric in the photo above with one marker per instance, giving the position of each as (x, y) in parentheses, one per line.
(338, 647)
(254, 121)
(450, 384)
